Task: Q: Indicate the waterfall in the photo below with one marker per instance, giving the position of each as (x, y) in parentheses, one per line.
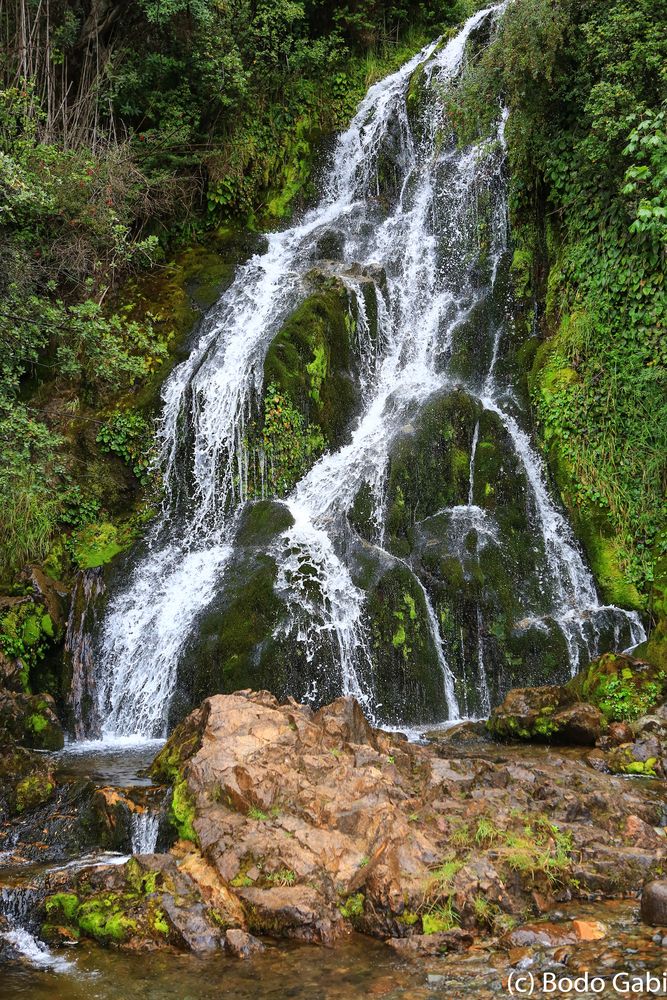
(436, 271)
(18, 906)
(144, 829)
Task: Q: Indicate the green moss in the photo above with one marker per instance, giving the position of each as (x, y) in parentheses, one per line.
(33, 791)
(62, 907)
(158, 921)
(97, 544)
(37, 723)
(309, 361)
(408, 678)
(353, 907)
(142, 882)
(398, 638)
(317, 370)
(183, 811)
(104, 918)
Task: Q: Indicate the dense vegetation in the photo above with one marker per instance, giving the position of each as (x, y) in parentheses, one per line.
(127, 128)
(586, 83)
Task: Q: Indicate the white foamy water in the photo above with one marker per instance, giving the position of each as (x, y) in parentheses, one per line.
(144, 828)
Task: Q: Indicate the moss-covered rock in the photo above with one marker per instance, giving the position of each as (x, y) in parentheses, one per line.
(309, 390)
(26, 780)
(429, 466)
(613, 688)
(33, 791)
(623, 688)
(30, 720)
(407, 678)
(241, 640)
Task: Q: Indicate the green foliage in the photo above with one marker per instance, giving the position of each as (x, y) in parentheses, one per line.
(130, 436)
(283, 877)
(586, 85)
(254, 812)
(290, 443)
(441, 918)
(540, 849)
(353, 907)
(623, 701)
(26, 634)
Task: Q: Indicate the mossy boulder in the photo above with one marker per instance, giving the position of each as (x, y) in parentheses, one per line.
(613, 688)
(30, 720)
(408, 679)
(545, 714)
(240, 640)
(309, 390)
(429, 466)
(26, 781)
(623, 688)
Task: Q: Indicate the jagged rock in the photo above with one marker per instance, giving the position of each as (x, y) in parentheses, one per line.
(190, 925)
(654, 903)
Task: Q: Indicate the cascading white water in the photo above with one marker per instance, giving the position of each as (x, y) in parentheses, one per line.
(144, 829)
(18, 907)
(426, 247)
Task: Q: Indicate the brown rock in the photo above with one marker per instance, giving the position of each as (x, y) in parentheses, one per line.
(298, 912)
(579, 724)
(654, 903)
(589, 930)
(548, 935)
(310, 824)
(432, 944)
(619, 732)
(241, 944)
(640, 833)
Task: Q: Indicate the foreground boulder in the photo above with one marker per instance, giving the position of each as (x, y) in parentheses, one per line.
(305, 825)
